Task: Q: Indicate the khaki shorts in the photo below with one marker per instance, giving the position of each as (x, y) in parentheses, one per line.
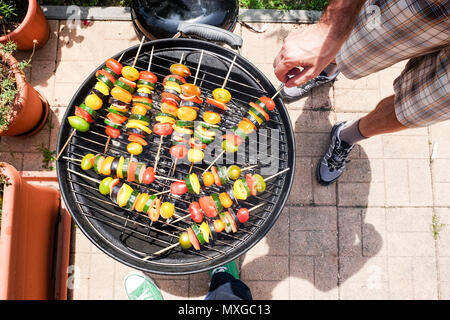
(387, 32)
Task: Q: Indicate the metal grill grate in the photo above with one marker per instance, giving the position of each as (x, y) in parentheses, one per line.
(131, 237)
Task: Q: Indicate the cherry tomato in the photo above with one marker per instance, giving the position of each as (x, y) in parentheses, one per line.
(178, 188)
(211, 117)
(234, 172)
(86, 163)
(167, 210)
(189, 90)
(225, 200)
(78, 123)
(163, 129)
(270, 104)
(195, 155)
(196, 212)
(243, 215)
(114, 65)
(208, 179)
(130, 73)
(93, 101)
(149, 176)
(219, 226)
(180, 69)
(184, 240)
(104, 185)
(148, 76)
(178, 151)
(112, 132)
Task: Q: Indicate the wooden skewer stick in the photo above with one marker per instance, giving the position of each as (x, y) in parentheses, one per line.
(276, 174)
(256, 207)
(278, 91)
(198, 67)
(84, 176)
(65, 145)
(217, 158)
(162, 192)
(150, 60)
(250, 167)
(139, 50)
(72, 159)
(182, 57)
(228, 74)
(157, 153)
(167, 178)
(166, 249)
(174, 166)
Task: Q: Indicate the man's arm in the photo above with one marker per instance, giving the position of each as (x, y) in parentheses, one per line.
(313, 47)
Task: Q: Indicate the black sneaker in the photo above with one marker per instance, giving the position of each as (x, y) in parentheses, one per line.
(332, 164)
(295, 93)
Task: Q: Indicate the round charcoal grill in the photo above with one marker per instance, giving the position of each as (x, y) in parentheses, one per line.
(129, 236)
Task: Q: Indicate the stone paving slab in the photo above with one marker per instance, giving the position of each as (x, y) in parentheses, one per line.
(369, 236)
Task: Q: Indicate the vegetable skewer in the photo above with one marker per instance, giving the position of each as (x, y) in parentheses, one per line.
(87, 111)
(256, 115)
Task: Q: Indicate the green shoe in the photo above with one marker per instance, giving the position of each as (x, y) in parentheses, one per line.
(230, 267)
(140, 287)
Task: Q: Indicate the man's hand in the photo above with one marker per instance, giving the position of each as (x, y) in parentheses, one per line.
(307, 51)
(308, 48)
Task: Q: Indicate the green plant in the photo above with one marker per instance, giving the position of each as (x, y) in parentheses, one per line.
(284, 4)
(436, 225)
(48, 157)
(8, 88)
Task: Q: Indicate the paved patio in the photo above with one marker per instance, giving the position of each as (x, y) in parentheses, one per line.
(367, 236)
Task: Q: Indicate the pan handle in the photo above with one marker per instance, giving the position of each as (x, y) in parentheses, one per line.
(210, 33)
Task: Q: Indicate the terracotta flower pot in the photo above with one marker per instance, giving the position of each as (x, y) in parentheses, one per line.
(30, 109)
(29, 240)
(33, 27)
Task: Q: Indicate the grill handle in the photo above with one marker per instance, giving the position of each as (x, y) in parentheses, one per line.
(210, 33)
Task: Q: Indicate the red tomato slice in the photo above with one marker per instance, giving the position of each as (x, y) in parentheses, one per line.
(193, 239)
(106, 74)
(154, 210)
(233, 138)
(178, 151)
(196, 144)
(132, 166)
(128, 82)
(114, 65)
(251, 182)
(148, 76)
(163, 129)
(270, 104)
(83, 114)
(116, 118)
(208, 206)
(137, 139)
(216, 176)
(216, 103)
(149, 175)
(196, 212)
(112, 132)
(231, 221)
(178, 188)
